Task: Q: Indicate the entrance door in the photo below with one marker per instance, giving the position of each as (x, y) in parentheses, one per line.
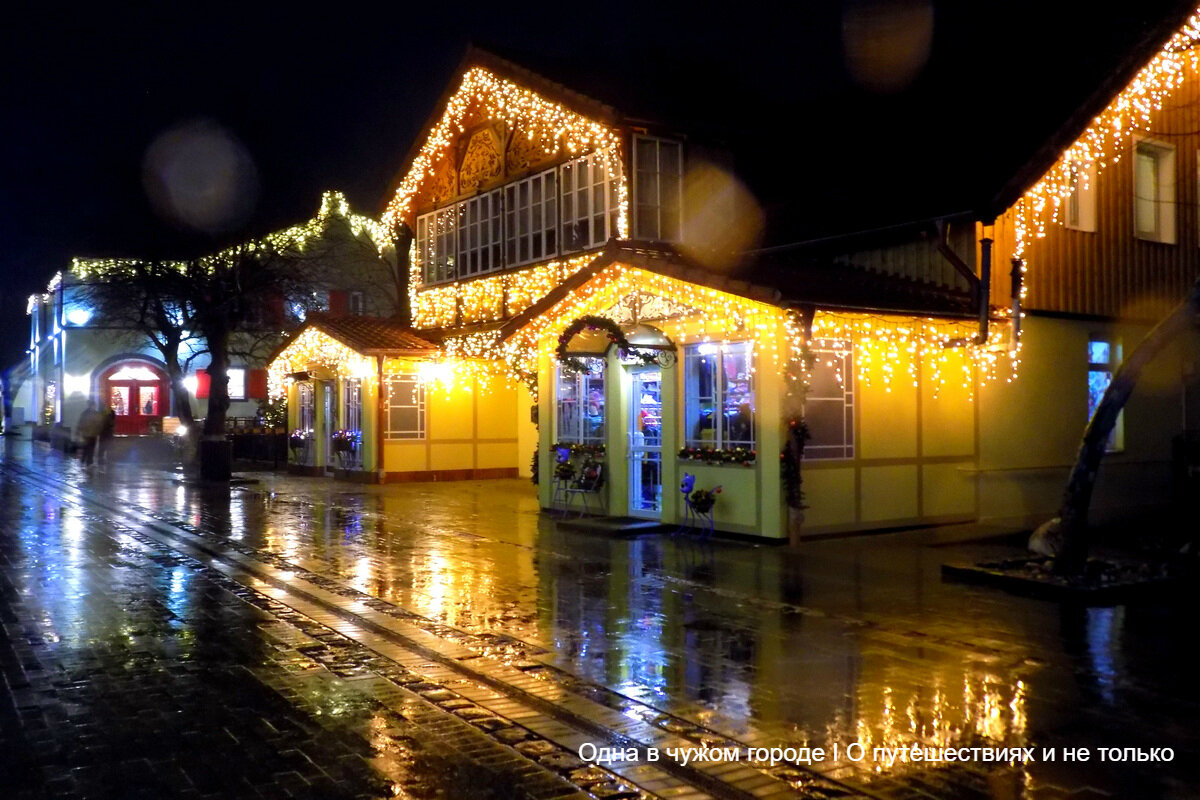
(137, 393)
(645, 443)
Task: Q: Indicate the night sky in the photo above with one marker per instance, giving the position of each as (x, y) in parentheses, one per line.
(334, 98)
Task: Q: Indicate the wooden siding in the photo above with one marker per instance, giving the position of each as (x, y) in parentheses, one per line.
(1110, 272)
(920, 260)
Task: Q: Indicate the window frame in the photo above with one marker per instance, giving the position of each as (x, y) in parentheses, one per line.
(1082, 198)
(838, 356)
(582, 394)
(1164, 230)
(420, 404)
(722, 438)
(243, 372)
(641, 146)
(1116, 439)
(576, 189)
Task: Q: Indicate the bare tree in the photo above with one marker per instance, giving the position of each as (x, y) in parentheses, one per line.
(232, 303)
(145, 305)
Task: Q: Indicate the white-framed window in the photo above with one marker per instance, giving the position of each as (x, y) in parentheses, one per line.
(356, 303)
(352, 405)
(237, 382)
(1104, 356)
(480, 237)
(579, 404)
(657, 189)
(1154, 191)
(437, 244)
(718, 395)
(405, 406)
(829, 402)
(531, 219)
(1079, 210)
(589, 203)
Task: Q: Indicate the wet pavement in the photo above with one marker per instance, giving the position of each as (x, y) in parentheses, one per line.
(304, 637)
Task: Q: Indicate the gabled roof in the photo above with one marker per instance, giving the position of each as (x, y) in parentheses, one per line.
(368, 335)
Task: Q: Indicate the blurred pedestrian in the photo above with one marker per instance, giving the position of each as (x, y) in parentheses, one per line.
(88, 429)
(107, 430)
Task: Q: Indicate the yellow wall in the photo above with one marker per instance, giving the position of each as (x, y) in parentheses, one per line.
(470, 424)
(1030, 429)
(915, 450)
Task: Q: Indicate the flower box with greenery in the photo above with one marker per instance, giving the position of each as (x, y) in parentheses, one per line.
(703, 500)
(573, 449)
(715, 455)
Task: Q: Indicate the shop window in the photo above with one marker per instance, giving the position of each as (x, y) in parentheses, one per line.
(1154, 191)
(579, 402)
(829, 402)
(657, 189)
(1079, 210)
(405, 407)
(719, 395)
(1104, 356)
(589, 203)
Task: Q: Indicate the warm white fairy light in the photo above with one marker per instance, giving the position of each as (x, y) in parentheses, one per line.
(289, 240)
(1108, 135)
(314, 349)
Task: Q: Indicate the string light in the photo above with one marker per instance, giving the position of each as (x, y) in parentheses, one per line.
(295, 238)
(1100, 145)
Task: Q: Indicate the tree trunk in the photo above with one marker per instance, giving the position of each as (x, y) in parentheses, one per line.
(216, 454)
(1077, 498)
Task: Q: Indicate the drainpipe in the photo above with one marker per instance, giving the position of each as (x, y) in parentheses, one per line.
(981, 285)
(1017, 277)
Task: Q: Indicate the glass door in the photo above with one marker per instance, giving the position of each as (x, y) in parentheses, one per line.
(645, 443)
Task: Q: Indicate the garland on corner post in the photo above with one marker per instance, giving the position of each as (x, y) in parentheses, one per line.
(790, 459)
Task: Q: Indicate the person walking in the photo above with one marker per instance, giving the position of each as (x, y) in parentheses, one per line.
(88, 429)
(107, 430)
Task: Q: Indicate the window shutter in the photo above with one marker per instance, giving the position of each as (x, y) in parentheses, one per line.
(203, 381)
(339, 304)
(256, 384)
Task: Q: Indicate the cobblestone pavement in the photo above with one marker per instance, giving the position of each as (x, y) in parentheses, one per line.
(302, 637)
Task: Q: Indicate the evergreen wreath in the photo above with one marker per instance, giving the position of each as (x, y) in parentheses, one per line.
(615, 335)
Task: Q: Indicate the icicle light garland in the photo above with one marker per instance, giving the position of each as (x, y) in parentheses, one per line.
(313, 348)
(1109, 133)
(488, 299)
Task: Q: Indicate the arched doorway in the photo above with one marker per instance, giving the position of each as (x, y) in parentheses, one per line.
(138, 392)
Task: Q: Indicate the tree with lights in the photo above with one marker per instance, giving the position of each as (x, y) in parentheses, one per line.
(232, 304)
(146, 304)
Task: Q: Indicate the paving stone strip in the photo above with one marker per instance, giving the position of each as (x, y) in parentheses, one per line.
(464, 683)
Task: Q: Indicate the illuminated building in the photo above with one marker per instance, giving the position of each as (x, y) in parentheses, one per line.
(77, 353)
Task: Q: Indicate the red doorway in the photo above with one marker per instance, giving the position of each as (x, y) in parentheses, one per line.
(138, 393)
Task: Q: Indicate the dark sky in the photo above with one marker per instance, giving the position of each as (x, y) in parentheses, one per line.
(334, 98)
